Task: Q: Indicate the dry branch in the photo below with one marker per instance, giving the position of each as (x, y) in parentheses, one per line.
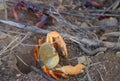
(24, 26)
(101, 44)
(90, 52)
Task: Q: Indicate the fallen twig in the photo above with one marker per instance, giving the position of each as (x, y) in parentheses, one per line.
(25, 26)
(89, 52)
(12, 32)
(105, 44)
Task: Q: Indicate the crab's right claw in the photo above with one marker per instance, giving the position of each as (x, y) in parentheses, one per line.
(57, 40)
(61, 43)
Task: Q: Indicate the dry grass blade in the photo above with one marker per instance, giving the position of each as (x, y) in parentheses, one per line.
(14, 41)
(9, 45)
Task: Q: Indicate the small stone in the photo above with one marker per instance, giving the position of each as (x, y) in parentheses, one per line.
(78, 23)
(118, 53)
(18, 75)
(83, 59)
(3, 68)
(99, 53)
(17, 80)
(0, 62)
(84, 25)
(2, 35)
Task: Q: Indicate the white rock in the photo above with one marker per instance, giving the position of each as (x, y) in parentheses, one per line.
(118, 53)
(2, 35)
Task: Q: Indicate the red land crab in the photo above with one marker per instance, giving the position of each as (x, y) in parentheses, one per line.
(47, 57)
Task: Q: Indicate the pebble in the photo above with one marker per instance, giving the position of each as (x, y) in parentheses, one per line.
(0, 62)
(84, 25)
(2, 35)
(118, 53)
(99, 53)
(84, 59)
(18, 75)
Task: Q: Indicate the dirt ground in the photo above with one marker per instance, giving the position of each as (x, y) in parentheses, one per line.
(103, 67)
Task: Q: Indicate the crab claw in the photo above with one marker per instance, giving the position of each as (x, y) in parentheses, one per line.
(55, 37)
(72, 70)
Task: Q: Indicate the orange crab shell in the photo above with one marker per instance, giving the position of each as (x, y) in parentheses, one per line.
(48, 54)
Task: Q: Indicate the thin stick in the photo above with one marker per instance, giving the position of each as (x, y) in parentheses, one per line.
(6, 13)
(21, 60)
(99, 72)
(88, 74)
(18, 43)
(87, 71)
(12, 32)
(5, 50)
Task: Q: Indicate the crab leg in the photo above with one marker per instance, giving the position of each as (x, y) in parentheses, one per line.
(36, 54)
(45, 70)
(53, 75)
(36, 51)
(61, 74)
(49, 72)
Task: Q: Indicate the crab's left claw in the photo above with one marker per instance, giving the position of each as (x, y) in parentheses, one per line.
(55, 37)
(72, 70)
